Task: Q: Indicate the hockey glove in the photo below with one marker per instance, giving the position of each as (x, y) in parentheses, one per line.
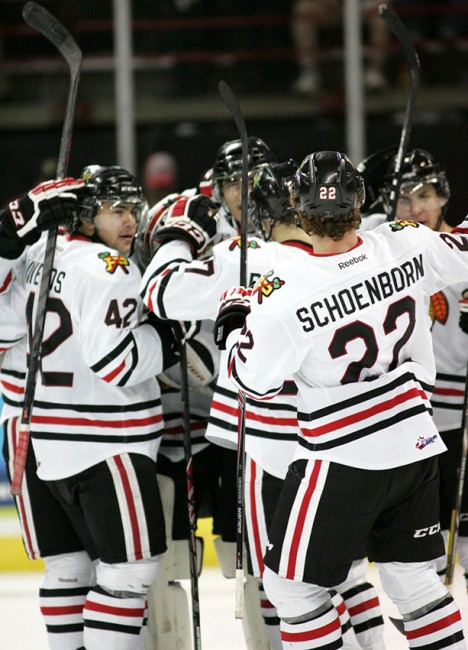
(47, 206)
(233, 310)
(463, 321)
(191, 220)
(169, 341)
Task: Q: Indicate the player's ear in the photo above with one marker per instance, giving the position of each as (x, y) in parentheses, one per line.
(87, 228)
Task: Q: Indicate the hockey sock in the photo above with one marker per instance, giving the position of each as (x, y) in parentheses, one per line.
(441, 627)
(363, 605)
(144, 625)
(347, 632)
(62, 594)
(113, 622)
(322, 631)
(272, 621)
(62, 610)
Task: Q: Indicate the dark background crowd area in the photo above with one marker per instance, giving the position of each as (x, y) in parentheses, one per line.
(183, 48)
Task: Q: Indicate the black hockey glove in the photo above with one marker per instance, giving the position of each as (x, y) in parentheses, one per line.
(47, 206)
(169, 341)
(463, 321)
(233, 310)
(191, 220)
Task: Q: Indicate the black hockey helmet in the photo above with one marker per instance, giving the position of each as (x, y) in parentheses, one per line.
(269, 197)
(419, 167)
(108, 184)
(228, 163)
(327, 184)
(373, 170)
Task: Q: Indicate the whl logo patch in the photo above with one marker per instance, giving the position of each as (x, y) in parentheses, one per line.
(113, 262)
(266, 285)
(422, 442)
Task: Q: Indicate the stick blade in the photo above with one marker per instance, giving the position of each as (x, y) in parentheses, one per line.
(396, 26)
(239, 608)
(233, 105)
(40, 19)
(19, 465)
(398, 623)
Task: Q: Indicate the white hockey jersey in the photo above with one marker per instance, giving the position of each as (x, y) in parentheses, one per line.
(13, 367)
(450, 348)
(451, 357)
(175, 287)
(351, 329)
(96, 393)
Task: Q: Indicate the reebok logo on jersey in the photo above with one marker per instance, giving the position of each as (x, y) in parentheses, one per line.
(236, 242)
(402, 223)
(114, 261)
(266, 285)
(422, 442)
(353, 260)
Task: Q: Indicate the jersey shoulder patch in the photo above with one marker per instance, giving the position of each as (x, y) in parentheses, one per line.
(266, 286)
(396, 226)
(113, 261)
(235, 243)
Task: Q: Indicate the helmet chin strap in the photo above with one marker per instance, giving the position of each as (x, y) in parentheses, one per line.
(443, 210)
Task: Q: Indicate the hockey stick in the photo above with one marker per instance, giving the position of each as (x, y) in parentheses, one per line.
(233, 105)
(184, 394)
(455, 519)
(44, 22)
(399, 30)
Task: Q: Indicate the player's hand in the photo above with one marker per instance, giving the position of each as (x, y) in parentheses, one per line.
(49, 205)
(190, 219)
(233, 310)
(463, 320)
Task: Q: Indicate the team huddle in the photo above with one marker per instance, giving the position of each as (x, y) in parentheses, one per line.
(347, 345)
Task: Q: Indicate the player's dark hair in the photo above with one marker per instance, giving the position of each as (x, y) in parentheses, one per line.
(333, 227)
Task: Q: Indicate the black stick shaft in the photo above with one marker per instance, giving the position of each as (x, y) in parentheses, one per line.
(401, 33)
(455, 518)
(184, 392)
(235, 110)
(44, 22)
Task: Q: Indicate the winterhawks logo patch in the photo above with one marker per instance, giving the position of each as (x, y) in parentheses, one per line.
(402, 223)
(114, 261)
(266, 285)
(236, 242)
(422, 442)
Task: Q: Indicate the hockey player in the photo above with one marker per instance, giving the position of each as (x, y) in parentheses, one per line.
(271, 437)
(349, 324)
(226, 180)
(94, 382)
(222, 184)
(168, 278)
(36, 506)
(213, 467)
(424, 197)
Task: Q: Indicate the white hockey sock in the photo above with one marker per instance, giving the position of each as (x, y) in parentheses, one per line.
(324, 631)
(347, 632)
(363, 605)
(272, 621)
(111, 622)
(144, 624)
(62, 610)
(440, 628)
